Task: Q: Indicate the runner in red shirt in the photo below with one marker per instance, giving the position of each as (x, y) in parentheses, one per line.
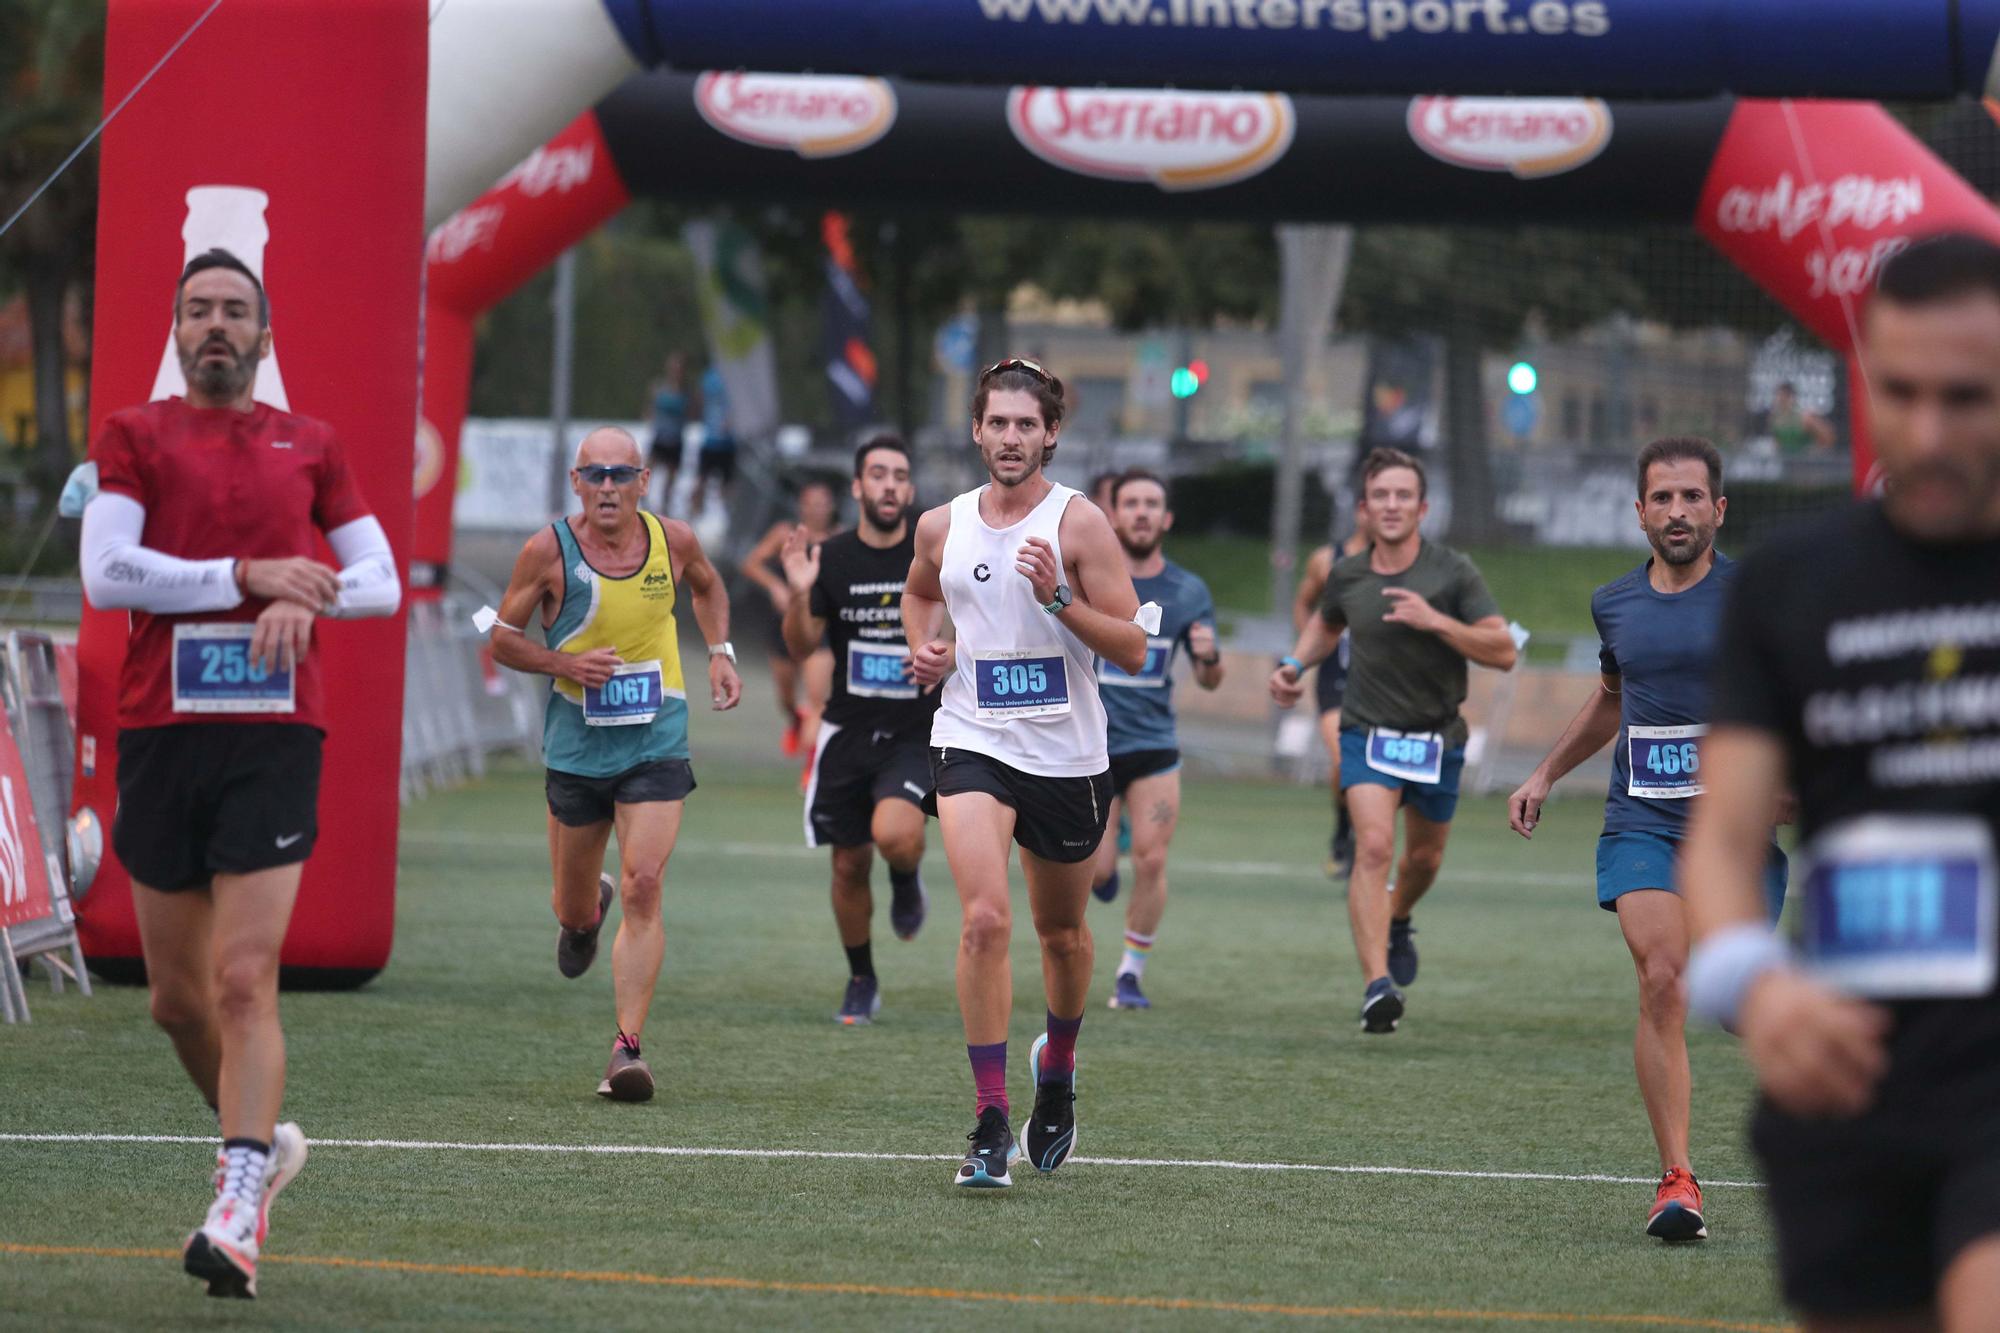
(204, 529)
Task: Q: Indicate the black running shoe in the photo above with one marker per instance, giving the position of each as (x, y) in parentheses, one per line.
(1052, 1128)
(1381, 1007)
(993, 1148)
(1402, 952)
(1108, 890)
(908, 908)
(1340, 857)
(861, 1003)
(576, 950)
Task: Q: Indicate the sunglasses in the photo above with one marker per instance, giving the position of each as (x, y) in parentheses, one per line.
(596, 474)
(1025, 366)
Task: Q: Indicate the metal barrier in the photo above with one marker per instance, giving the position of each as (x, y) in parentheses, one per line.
(31, 689)
(459, 707)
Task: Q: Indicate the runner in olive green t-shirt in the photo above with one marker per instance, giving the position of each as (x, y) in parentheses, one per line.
(1416, 613)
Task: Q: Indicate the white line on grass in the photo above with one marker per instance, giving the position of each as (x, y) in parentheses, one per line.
(789, 1154)
(1257, 869)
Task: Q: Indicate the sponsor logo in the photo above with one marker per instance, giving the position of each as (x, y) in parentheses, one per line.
(469, 228)
(982, 573)
(1789, 208)
(561, 169)
(1529, 137)
(1178, 141)
(811, 114)
(281, 444)
(288, 840)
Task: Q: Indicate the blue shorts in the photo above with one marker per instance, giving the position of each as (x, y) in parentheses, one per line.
(1629, 861)
(1435, 801)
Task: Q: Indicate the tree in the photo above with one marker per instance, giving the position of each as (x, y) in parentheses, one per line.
(52, 71)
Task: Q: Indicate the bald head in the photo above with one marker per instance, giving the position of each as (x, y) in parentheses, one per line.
(609, 446)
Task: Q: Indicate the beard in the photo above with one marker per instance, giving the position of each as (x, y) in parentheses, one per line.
(218, 379)
(871, 516)
(1684, 555)
(1140, 550)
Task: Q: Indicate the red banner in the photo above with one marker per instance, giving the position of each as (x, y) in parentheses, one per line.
(24, 875)
(474, 259)
(1809, 198)
(321, 173)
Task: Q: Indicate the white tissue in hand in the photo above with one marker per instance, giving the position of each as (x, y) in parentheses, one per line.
(484, 619)
(1148, 618)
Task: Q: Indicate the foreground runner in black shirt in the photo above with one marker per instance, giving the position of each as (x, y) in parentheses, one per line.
(1860, 663)
(871, 763)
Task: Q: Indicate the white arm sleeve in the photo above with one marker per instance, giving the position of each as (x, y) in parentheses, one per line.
(368, 583)
(120, 574)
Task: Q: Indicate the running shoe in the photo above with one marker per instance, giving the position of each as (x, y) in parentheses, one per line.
(1381, 1007)
(1402, 952)
(1125, 993)
(627, 1078)
(861, 1003)
(223, 1251)
(908, 908)
(789, 744)
(288, 1154)
(1108, 890)
(576, 950)
(1676, 1211)
(1340, 854)
(1052, 1128)
(993, 1149)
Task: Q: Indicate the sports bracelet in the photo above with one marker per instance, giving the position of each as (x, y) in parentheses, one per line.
(1723, 966)
(1298, 667)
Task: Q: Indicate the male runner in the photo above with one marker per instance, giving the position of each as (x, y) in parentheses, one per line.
(1037, 589)
(1860, 664)
(1657, 626)
(1100, 489)
(1139, 712)
(871, 764)
(1418, 612)
(614, 734)
(801, 685)
(204, 528)
(1330, 681)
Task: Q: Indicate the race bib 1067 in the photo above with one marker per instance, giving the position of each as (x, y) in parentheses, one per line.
(1027, 682)
(1665, 762)
(631, 698)
(213, 672)
(1901, 907)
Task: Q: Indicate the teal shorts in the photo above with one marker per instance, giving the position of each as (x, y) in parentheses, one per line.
(1435, 801)
(1630, 861)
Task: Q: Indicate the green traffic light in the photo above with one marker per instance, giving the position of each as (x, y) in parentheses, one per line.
(1521, 377)
(1184, 382)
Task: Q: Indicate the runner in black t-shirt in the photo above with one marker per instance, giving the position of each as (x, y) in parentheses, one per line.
(871, 762)
(1860, 663)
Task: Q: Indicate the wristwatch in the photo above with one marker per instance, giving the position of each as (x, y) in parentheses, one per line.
(723, 649)
(1062, 601)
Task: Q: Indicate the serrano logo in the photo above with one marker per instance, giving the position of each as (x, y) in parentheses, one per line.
(1528, 136)
(1178, 141)
(813, 115)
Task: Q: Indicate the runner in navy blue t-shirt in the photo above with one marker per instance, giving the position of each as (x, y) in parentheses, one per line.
(1658, 627)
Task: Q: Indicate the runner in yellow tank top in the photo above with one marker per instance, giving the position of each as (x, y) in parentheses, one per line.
(616, 729)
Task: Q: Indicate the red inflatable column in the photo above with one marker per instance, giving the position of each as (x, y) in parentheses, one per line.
(1810, 197)
(564, 191)
(293, 130)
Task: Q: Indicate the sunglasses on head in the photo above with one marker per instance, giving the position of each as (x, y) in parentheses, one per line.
(1020, 364)
(596, 474)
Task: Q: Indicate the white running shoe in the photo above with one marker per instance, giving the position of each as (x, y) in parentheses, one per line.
(224, 1251)
(288, 1155)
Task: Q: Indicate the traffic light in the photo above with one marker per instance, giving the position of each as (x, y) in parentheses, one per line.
(1522, 377)
(1187, 380)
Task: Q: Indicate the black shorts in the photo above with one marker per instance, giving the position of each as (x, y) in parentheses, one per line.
(853, 771)
(1871, 1211)
(1058, 819)
(578, 802)
(1128, 768)
(665, 450)
(716, 463)
(200, 799)
(1330, 683)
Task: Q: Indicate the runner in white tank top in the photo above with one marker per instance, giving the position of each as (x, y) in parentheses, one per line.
(1036, 586)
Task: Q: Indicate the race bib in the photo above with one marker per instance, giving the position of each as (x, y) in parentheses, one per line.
(1414, 756)
(1665, 762)
(213, 673)
(1901, 907)
(631, 698)
(879, 671)
(1151, 676)
(1027, 682)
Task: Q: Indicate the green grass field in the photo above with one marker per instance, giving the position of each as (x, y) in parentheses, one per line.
(1514, 1060)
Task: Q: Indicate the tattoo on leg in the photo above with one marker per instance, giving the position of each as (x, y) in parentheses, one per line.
(1163, 812)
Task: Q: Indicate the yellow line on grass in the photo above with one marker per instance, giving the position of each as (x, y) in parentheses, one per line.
(928, 1293)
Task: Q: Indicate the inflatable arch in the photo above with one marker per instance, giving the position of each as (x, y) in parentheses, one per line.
(334, 180)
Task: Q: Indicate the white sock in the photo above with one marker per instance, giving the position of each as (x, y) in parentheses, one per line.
(1134, 962)
(243, 1164)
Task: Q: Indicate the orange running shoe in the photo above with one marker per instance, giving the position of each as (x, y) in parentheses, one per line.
(1676, 1211)
(790, 744)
